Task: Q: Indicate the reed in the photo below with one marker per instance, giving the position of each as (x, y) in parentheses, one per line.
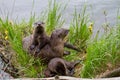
(79, 29)
(102, 52)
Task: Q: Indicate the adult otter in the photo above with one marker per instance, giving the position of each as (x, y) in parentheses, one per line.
(55, 48)
(59, 66)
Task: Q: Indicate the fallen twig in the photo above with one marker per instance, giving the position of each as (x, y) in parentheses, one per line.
(65, 78)
(114, 73)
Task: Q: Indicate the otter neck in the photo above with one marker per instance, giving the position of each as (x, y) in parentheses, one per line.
(56, 42)
(40, 31)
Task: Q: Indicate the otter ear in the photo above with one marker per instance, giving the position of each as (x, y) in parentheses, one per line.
(34, 25)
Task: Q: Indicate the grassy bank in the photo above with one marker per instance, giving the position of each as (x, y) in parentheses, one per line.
(102, 54)
(99, 52)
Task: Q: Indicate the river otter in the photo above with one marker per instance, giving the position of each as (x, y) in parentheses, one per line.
(40, 39)
(55, 48)
(59, 66)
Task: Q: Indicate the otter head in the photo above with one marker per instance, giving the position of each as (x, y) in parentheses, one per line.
(39, 26)
(60, 33)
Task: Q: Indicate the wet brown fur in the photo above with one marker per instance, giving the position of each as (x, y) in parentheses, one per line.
(59, 66)
(55, 48)
(34, 43)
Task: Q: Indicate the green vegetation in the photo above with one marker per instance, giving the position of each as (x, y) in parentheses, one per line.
(27, 65)
(23, 61)
(79, 31)
(54, 16)
(99, 53)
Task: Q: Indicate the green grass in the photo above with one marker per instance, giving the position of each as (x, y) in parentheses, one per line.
(102, 52)
(24, 62)
(99, 52)
(54, 16)
(79, 31)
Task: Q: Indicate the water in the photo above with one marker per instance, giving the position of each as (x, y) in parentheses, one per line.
(96, 8)
(22, 8)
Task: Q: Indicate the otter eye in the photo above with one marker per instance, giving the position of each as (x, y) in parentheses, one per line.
(66, 32)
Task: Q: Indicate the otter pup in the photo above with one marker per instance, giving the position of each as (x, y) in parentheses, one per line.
(58, 66)
(40, 39)
(55, 48)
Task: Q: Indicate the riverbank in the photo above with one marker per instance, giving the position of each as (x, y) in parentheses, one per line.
(98, 54)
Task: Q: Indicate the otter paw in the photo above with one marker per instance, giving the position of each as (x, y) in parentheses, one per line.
(66, 53)
(37, 51)
(72, 72)
(32, 47)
